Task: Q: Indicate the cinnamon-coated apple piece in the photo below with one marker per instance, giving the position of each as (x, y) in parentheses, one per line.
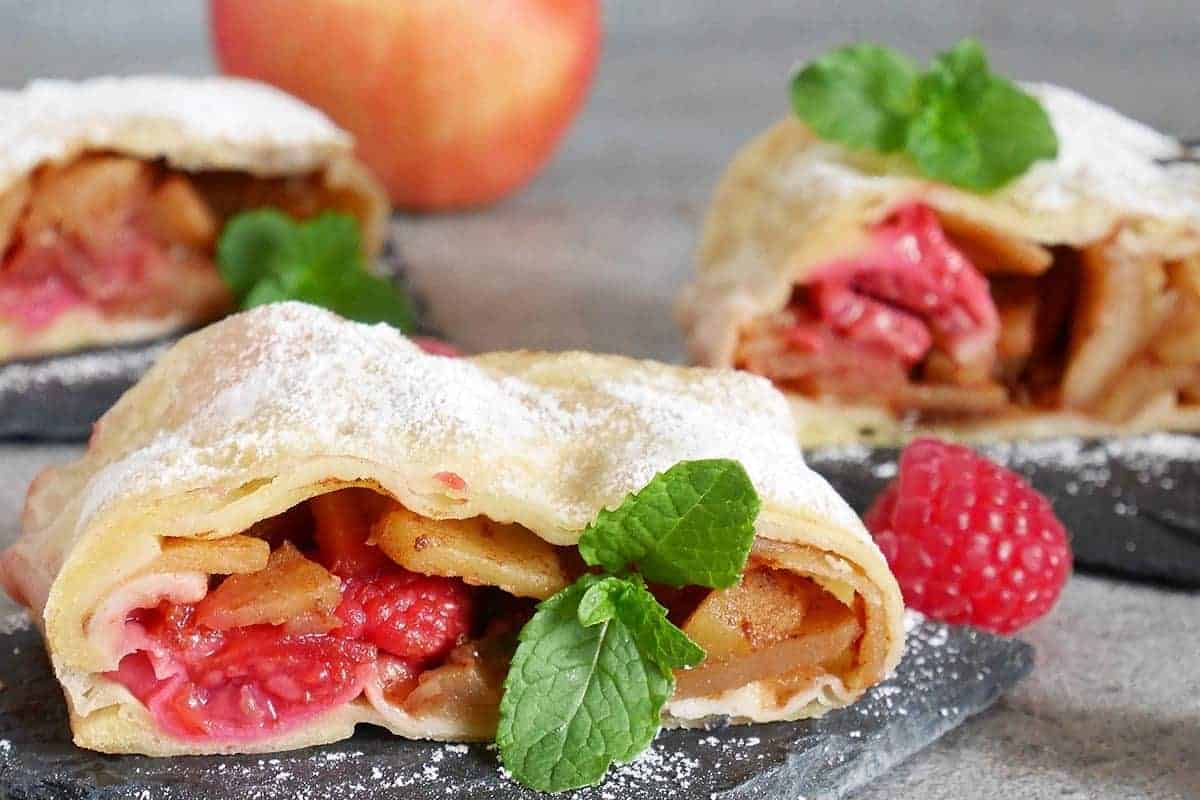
(822, 644)
(292, 591)
(764, 607)
(774, 623)
(481, 552)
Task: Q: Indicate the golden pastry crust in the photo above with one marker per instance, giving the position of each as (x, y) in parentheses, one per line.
(789, 203)
(265, 409)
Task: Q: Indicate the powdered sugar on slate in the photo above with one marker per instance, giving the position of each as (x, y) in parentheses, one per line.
(1089, 463)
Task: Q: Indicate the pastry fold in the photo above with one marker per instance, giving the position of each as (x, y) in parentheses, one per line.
(481, 472)
(113, 192)
(887, 305)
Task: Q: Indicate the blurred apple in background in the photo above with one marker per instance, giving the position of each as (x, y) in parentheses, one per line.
(454, 103)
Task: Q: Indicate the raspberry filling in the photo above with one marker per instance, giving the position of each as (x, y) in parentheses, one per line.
(43, 278)
(913, 289)
(254, 681)
(862, 325)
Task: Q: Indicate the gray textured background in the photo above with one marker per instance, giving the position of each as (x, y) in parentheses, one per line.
(592, 253)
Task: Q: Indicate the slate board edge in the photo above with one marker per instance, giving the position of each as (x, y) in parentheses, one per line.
(991, 696)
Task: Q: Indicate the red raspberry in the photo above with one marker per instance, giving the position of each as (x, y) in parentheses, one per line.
(968, 540)
(413, 616)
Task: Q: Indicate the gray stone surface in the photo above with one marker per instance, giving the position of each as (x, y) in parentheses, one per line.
(591, 255)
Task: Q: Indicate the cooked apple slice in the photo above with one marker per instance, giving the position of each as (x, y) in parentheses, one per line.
(12, 206)
(481, 552)
(792, 642)
(765, 607)
(178, 213)
(821, 644)
(92, 192)
(1178, 341)
(233, 555)
(470, 683)
(943, 398)
(343, 522)
(291, 590)
(991, 251)
(1122, 306)
(1139, 384)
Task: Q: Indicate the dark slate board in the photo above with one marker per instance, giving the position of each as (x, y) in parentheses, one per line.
(1131, 504)
(948, 674)
(60, 397)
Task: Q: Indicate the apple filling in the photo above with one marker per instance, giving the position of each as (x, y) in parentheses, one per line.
(128, 239)
(943, 319)
(349, 597)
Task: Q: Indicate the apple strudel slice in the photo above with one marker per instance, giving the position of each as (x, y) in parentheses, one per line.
(295, 524)
(887, 304)
(114, 191)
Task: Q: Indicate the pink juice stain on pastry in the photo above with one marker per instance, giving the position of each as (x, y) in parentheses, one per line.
(911, 290)
(53, 273)
(246, 683)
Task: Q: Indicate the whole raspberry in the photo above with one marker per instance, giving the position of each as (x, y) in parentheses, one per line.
(418, 617)
(968, 540)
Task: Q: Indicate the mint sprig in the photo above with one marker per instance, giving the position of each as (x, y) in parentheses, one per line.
(577, 697)
(959, 122)
(691, 526)
(594, 666)
(266, 257)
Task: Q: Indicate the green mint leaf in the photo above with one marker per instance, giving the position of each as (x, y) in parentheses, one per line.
(327, 245)
(249, 247)
(689, 526)
(368, 298)
(628, 600)
(599, 601)
(862, 96)
(577, 698)
(975, 129)
(960, 123)
(267, 290)
(266, 257)
(657, 637)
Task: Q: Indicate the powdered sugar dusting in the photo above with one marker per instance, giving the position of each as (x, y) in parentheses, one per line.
(1107, 156)
(566, 434)
(1089, 462)
(187, 119)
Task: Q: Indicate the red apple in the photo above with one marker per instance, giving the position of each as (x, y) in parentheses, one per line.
(454, 103)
